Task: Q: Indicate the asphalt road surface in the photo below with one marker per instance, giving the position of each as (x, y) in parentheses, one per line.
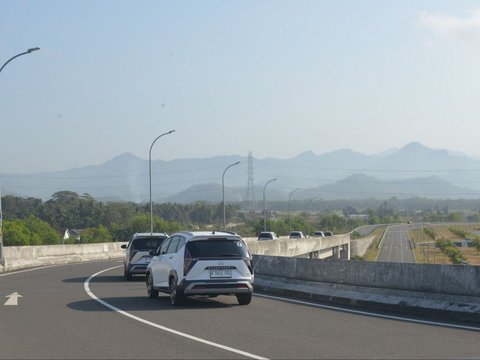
(395, 246)
(87, 311)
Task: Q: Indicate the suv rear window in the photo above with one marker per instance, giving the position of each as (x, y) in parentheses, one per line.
(216, 248)
(147, 243)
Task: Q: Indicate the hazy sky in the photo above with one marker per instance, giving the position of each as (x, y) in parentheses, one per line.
(273, 77)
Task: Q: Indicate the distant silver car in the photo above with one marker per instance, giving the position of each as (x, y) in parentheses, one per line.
(137, 250)
(267, 235)
(318, 234)
(297, 235)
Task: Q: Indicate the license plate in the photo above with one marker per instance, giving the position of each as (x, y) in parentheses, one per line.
(220, 274)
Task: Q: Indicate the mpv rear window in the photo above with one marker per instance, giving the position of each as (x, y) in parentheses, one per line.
(147, 243)
(216, 248)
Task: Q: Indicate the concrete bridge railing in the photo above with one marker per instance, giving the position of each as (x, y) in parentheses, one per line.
(322, 247)
(18, 257)
(360, 246)
(428, 278)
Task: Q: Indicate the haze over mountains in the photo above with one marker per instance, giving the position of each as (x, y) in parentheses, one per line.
(413, 170)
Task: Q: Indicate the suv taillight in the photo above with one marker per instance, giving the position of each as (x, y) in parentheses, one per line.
(249, 263)
(188, 262)
(132, 254)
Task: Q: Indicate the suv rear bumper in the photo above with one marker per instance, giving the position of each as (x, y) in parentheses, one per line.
(216, 287)
(138, 269)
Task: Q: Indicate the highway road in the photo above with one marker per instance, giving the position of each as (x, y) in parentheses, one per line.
(87, 311)
(395, 246)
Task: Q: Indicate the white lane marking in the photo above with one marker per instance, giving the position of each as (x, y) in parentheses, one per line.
(12, 299)
(55, 265)
(191, 337)
(360, 312)
(32, 269)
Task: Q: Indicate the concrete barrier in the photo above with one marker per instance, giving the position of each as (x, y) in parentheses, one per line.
(359, 247)
(18, 257)
(296, 247)
(427, 278)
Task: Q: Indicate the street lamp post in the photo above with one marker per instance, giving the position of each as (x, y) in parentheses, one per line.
(223, 191)
(264, 211)
(289, 207)
(23, 53)
(310, 209)
(150, 176)
(2, 260)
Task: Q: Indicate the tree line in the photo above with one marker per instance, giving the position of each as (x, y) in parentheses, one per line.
(31, 221)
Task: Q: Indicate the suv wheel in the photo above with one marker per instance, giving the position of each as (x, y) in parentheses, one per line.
(176, 295)
(151, 292)
(244, 299)
(127, 275)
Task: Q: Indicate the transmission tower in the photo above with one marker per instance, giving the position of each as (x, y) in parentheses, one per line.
(250, 196)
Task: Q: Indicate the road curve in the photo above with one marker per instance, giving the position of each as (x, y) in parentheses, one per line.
(56, 317)
(395, 246)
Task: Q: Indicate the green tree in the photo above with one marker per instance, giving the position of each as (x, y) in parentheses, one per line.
(20, 208)
(42, 232)
(454, 216)
(15, 233)
(99, 234)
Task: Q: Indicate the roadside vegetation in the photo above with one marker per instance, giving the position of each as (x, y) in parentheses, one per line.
(442, 244)
(374, 248)
(30, 221)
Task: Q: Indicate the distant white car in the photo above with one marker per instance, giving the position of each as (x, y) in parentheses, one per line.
(201, 263)
(318, 234)
(297, 235)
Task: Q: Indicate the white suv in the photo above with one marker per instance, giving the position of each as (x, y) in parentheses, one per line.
(201, 263)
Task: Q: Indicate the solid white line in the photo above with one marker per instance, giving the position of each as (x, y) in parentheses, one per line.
(41, 267)
(360, 312)
(27, 270)
(191, 337)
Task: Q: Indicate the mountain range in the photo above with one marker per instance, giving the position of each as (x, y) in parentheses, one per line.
(413, 170)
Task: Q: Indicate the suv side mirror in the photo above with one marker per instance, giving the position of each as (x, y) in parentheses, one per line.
(124, 246)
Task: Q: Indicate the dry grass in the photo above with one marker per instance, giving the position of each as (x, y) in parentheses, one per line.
(429, 255)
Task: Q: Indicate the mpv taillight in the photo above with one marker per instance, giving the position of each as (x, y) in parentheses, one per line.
(188, 262)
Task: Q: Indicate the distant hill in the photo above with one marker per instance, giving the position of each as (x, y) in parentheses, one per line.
(361, 186)
(413, 170)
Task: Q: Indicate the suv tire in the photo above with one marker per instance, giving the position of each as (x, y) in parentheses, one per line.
(176, 296)
(151, 292)
(244, 299)
(126, 275)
